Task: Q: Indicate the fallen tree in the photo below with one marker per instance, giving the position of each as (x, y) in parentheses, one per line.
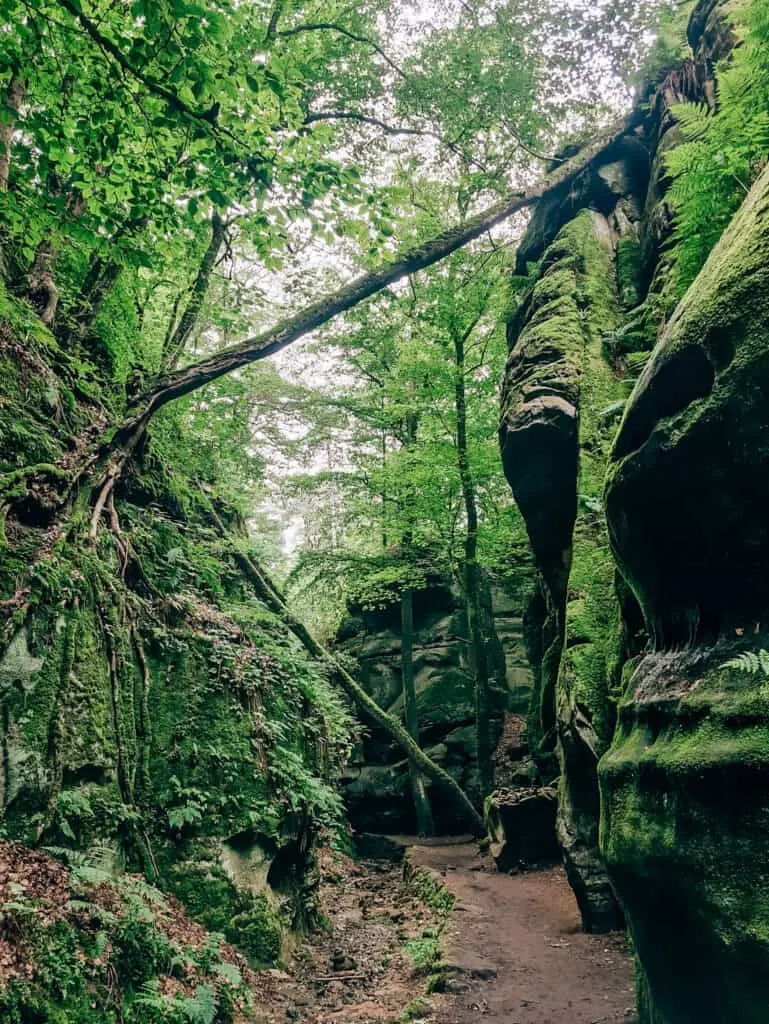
(274, 600)
(110, 458)
(289, 330)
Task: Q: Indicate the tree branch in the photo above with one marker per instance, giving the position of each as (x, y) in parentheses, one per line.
(292, 328)
(325, 26)
(351, 115)
(207, 118)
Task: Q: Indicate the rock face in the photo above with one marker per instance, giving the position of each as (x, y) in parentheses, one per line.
(377, 791)
(522, 827)
(685, 803)
(656, 668)
(558, 396)
(154, 714)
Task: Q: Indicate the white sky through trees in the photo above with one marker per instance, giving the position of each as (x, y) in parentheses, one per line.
(586, 51)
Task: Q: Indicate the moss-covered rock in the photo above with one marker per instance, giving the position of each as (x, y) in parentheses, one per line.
(152, 711)
(685, 811)
(555, 437)
(686, 494)
(376, 792)
(683, 832)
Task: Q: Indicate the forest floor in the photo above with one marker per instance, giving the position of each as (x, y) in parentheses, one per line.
(512, 950)
(517, 952)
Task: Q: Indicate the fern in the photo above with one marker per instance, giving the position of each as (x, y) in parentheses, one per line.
(723, 152)
(201, 1008)
(751, 662)
(229, 973)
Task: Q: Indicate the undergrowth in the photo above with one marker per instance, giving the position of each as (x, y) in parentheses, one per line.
(724, 150)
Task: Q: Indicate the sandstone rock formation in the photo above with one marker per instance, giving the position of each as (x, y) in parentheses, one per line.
(376, 790)
(684, 472)
(684, 784)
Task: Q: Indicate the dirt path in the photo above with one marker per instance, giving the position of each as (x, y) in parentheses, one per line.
(515, 953)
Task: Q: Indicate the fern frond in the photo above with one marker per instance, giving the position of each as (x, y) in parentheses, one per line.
(751, 662)
(695, 119)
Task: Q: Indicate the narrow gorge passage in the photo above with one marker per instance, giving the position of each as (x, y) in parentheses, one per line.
(515, 952)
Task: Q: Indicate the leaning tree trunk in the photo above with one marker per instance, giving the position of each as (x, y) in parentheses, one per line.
(287, 331)
(268, 593)
(179, 334)
(419, 790)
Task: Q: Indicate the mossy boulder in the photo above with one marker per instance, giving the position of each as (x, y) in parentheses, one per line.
(684, 833)
(685, 811)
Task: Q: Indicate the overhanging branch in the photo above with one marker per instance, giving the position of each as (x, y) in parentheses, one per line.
(318, 313)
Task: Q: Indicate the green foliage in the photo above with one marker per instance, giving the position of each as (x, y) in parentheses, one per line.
(430, 890)
(95, 965)
(399, 471)
(724, 150)
(141, 951)
(751, 662)
(425, 952)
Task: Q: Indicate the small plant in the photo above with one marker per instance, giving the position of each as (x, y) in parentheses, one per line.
(140, 951)
(416, 1011)
(751, 662)
(425, 952)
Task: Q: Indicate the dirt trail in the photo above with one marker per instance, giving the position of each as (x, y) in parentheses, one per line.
(513, 949)
(515, 952)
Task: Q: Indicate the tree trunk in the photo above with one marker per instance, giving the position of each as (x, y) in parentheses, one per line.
(178, 336)
(424, 814)
(273, 340)
(41, 287)
(13, 99)
(267, 592)
(472, 582)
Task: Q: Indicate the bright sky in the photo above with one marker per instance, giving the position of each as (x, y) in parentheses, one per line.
(319, 267)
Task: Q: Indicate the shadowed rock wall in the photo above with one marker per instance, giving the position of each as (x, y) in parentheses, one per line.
(377, 791)
(596, 301)
(686, 782)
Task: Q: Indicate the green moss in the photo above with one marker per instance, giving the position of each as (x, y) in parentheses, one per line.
(151, 707)
(685, 815)
(429, 888)
(628, 267)
(257, 931)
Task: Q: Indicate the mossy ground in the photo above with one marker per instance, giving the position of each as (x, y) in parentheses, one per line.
(87, 947)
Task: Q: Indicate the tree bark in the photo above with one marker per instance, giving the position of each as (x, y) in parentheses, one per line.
(179, 335)
(41, 287)
(471, 572)
(13, 99)
(424, 814)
